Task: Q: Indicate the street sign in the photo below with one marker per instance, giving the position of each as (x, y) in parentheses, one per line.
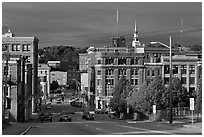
(191, 103)
(154, 109)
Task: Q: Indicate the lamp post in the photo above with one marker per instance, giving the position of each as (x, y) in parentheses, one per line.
(170, 77)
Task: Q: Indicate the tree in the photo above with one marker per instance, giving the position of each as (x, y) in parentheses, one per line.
(154, 94)
(120, 92)
(198, 107)
(197, 48)
(180, 95)
(136, 99)
(54, 85)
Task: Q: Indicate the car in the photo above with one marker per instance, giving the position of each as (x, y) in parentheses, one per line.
(45, 117)
(88, 115)
(48, 106)
(101, 111)
(73, 99)
(76, 104)
(65, 116)
(59, 100)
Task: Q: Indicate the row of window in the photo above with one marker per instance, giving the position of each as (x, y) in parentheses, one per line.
(110, 82)
(18, 47)
(183, 80)
(183, 69)
(120, 72)
(122, 61)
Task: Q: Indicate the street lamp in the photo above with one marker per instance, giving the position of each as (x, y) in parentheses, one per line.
(170, 78)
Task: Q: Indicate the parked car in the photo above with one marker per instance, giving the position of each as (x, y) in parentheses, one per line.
(65, 116)
(45, 117)
(59, 100)
(48, 106)
(76, 104)
(88, 115)
(101, 111)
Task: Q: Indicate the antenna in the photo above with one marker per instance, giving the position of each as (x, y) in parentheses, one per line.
(117, 23)
(181, 33)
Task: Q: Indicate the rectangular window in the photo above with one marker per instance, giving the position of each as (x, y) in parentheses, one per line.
(134, 72)
(175, 69)
(122, 72)
(148, 72)
(183, 69)
(183, 80)
(28, 59)
(166, 69)
(109, 71)
(134, 61)
(98, 82)
(13, 47)
(152, 72)
(121, 61)
(109, 81)
(28, 47)
(191, 80)
(18, 48)
(191, 69)
(134, 81)
(99, 72)
(166, 80)
(109, 61)
(99, 61)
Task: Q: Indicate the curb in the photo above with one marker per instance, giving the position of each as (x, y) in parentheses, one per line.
(24, 132)
(192, 126)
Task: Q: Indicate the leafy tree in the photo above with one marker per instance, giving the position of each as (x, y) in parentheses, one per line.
(118, 102)
(154, 94)
(198, 107)
(197, 48)
(54, 85)
(136, 99)
(180, 95)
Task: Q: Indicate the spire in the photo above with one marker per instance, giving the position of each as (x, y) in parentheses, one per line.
(135, 41)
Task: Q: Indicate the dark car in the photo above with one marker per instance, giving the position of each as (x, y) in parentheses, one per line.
(48, 106)
(76, 104)
(45, 117)
(88, 115)
(101, 111)
(65, 116)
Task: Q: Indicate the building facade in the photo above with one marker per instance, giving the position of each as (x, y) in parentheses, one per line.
(139, 64)
(24, 49)
(44, 76)
(59, 76)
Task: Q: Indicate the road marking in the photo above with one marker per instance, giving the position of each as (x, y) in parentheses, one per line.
(98, 129)
(126, 133)
(147, 130)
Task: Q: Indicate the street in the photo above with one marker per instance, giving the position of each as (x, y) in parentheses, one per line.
(104, 126)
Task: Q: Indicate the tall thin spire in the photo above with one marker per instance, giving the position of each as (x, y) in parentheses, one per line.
(135, 41)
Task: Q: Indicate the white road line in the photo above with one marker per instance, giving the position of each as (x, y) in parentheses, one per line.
(147, 130)
(98, 129)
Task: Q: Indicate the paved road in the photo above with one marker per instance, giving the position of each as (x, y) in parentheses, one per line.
(104, 127)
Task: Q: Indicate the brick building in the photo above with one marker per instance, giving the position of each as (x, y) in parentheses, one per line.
(25, 50)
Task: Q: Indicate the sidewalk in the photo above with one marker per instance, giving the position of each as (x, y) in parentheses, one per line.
(16, 128)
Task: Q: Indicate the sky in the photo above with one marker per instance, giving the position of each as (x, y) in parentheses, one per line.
(82, 24)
